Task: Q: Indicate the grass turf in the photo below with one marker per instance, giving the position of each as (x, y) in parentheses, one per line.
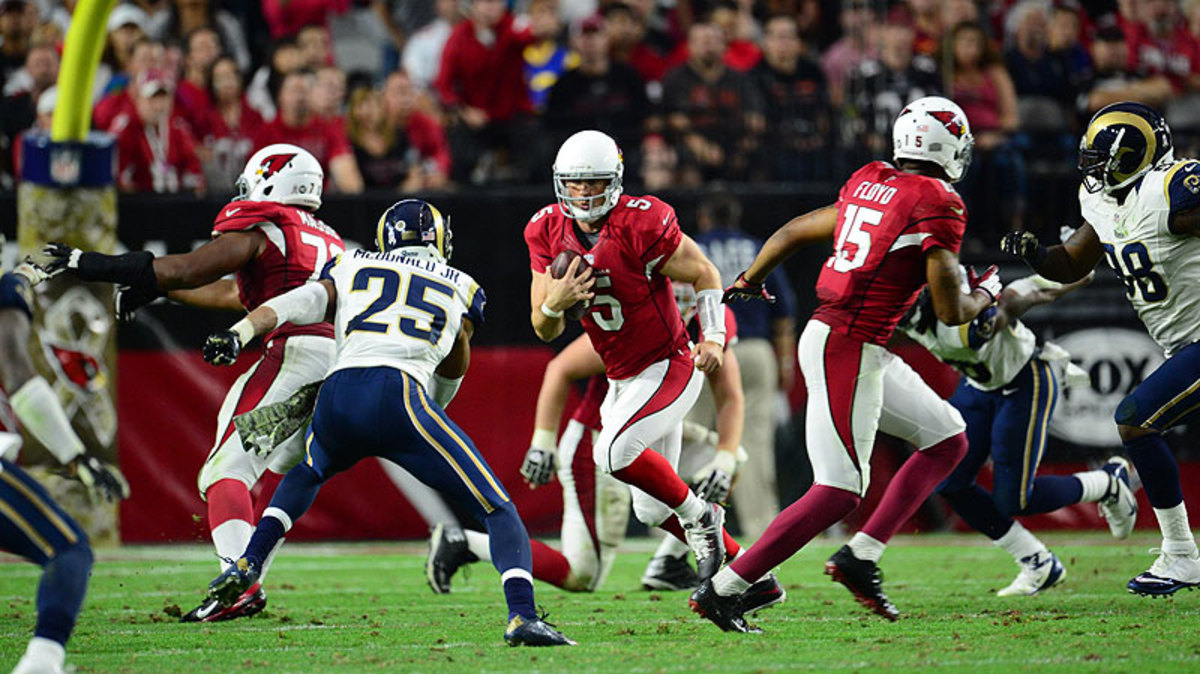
(367, 608)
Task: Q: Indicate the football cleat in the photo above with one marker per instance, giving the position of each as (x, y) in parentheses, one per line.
(1039, 571)
(764, 594)
(706, 537)
(1167, 575)
(252, 602)
(536, 632)
(863, 579)
(724, 612)
(669, 573)
(447, 553)
(1119, 506)
(228, 587)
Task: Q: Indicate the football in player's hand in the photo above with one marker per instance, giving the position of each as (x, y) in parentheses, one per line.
(558, 269)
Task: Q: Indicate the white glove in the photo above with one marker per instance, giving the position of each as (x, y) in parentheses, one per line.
(538, 467)
(713, 482)
(103, 480)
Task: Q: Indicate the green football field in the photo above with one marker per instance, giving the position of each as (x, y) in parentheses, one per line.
(366, 607)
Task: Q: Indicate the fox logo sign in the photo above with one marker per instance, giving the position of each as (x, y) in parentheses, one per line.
(273, 164)
(950, 121)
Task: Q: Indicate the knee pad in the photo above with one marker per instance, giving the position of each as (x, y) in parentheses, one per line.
(1127, 413)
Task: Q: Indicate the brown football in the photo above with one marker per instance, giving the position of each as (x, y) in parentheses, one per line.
(558, 269)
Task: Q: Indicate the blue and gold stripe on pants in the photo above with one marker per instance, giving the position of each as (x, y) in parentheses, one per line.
(31, 523)
(1042, 397)
(1168, 397)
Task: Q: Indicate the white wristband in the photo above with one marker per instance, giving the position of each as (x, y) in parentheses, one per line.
(244, 331)
(550, 313)
(543, 439)
(712, 315)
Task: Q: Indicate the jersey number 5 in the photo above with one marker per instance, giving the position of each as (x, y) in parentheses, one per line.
(1136, 269)
(852, 233)
(415, 298)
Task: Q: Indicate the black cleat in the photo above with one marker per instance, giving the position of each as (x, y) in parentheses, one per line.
(763, 594)
(669, 573)
(706, 537)
(252, 602)
(863, 579)
(229, 587)
(724, 612)
(447, 553)
(536, 632)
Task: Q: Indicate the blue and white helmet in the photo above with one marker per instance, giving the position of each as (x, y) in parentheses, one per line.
(412, 222)
(1122, 143)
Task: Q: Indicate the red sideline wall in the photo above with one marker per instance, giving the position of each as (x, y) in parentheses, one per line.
(168, 402)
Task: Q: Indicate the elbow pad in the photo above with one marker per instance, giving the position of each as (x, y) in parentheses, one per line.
(444, 389)
(302, 306)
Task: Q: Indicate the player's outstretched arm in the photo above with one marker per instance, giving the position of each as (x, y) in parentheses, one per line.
(688, 264)
(577, 361)
(951, 305)
(312, 302)
(812, 227)
(220, 295)
(1020, 296)
(1066, 262)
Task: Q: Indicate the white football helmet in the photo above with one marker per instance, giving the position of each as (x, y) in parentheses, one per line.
(588, 155)
(282, 173)
(934, 129)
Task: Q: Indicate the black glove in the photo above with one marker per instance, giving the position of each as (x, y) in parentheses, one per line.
(129, 300)
(1025, 245)
(61, 257)
(222, 348)
(103, 480)
(741, 289)
(134, 269)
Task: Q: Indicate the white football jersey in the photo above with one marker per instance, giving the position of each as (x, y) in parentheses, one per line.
(1161, 271)
(401, 309)
(987, 363)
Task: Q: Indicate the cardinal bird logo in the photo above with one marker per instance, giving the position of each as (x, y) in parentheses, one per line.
(273, 164)
(950, 121)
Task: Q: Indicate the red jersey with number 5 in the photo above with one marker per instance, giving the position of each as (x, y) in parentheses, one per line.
(633, 321)
(298, 246)
(887, 221)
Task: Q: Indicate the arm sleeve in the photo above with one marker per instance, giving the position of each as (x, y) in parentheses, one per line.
(300, 306)
(658, 235)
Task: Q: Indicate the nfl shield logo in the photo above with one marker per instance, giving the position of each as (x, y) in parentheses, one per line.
(65, 165)
(589, 258)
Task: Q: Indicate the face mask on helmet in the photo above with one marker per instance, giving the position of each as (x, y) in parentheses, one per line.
(413, 226)
(1122, 143)
(588, 157)
(284, 174)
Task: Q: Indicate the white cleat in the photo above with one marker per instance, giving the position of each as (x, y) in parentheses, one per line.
(1167, 575)
(1119, 506)
(1039, 571)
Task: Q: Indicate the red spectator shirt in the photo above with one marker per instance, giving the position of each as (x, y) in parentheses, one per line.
(648, 63)
(287, 17)
(887, 221)
(325, 139)
(229, 148)
(110, 107)
(1177, 57)
(491, 78)
(298, 246)
(194, 105)
(633, 322)
(425, 134)
(162, 161)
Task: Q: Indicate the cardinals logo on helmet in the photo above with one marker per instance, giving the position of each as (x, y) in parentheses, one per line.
(274, 164)
(950, 121)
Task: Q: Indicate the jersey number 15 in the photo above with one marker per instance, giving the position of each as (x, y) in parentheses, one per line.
(852, 233)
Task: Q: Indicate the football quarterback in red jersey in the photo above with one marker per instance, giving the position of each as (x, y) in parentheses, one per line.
(894, 229)
(269, 237)
(633, 248)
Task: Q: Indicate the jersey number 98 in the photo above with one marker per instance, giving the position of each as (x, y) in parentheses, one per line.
(1136, 270)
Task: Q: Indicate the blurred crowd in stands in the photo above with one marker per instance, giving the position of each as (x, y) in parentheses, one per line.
(414, 95)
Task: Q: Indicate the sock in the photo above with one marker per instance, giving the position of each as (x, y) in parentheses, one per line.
(653, 474)
(41, 413)
(1176, 531)
(1019, 543)
(512, 557)
(266, 565)
(792, 529)
(479, 544)
(912, 484)
(229, 518)
(976, 507)
(44, 654)
(550, 565)
(60, 592)
(518, 593)
(732, 548)
(1051, 492)
(1157, 467)
(271, 528)
(866, 548)
(672, 547)
(1093, 484)
(727, 582)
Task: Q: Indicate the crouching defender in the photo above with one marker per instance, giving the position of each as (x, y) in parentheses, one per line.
(32, 525)
(403, 319)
